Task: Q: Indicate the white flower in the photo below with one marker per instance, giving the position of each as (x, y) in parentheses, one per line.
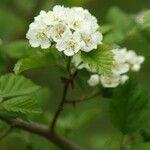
(57, 31)
(124, 78)
(110, 81)
(91, 19)
(120, 61)
(70, 43)
(120, 68)
(37, 35)
(94, 80)
(134, 60)
(120, 55)
(91, 40)
(76, 21)
(51, 18)
(40, 17)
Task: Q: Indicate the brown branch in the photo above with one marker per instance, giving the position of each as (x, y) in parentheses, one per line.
(43, 131)
(64, 95)
(60, 107)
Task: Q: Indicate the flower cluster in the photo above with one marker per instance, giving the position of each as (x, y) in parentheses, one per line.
(70, 29)
(124, 61)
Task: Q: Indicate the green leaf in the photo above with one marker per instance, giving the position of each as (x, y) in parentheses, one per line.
(100, 59)
(15, 85)
(2, 65)
(139, 40)
(86, 117)
(34, 61)
(105, 28)
(1, 96)
(23, 104)
(17, 49)
(10, 114)
(141, 146)
(21, 48)
(120, 20)
(147, 18)
(121, 24)
(129, 108)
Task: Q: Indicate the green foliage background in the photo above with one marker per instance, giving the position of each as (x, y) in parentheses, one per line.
(89, 123)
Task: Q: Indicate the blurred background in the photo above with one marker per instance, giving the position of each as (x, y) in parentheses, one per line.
(88, 123)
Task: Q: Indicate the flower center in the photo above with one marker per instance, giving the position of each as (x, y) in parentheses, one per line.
(41, 34)
(71, 44)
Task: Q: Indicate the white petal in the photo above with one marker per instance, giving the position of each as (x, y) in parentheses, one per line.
(94, 80)
(45, 44)
(69, 52)
(124, 78)
(34, 43)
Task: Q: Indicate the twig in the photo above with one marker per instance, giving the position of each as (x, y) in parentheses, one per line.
(64, 95)
(60, 107)
(43, 131)
(5, 132)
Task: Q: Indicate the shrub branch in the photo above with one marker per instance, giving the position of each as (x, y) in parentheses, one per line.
(41, 130)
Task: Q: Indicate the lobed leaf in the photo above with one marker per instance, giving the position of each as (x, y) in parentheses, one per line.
(15, 85)
(147, 18)
(34, 61)
(121, 24)
(129, 108)
(100, 59)
(17, 49)
(23, 104)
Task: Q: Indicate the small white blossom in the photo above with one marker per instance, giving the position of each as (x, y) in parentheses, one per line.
(120, 68)
(57, 31)
(91, 41)
(37, 35)
(110, 81)
(120, 61)
(94, 80)
(124, 78)
(120, 55)
(134, 60)
(41, 16)
(69, 43)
